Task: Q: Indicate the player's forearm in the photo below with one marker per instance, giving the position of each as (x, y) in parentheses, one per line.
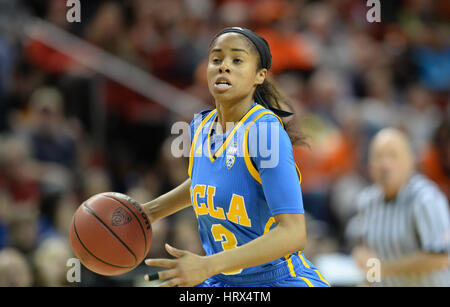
(169, 203)
(280, 241)
(418, 263)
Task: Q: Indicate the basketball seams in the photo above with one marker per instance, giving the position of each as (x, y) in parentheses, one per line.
(91, 253)
(90, 211)
(137, 219)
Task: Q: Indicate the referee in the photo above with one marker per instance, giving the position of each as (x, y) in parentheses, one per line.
(403, 219)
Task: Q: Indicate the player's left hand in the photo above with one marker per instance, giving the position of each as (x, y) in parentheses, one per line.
(187, 270)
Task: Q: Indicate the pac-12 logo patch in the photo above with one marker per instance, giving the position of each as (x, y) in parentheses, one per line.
(120, 217)
(230, 161)
(231, 156)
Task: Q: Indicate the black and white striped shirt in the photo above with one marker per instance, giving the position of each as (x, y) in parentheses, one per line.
(418, 219)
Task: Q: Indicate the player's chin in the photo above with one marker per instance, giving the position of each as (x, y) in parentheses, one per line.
(224, 97)
(229, 93)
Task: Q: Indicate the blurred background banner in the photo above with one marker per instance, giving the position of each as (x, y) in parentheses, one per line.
(87, 107)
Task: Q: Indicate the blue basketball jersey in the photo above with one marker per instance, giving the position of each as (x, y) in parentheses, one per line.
(240, 180)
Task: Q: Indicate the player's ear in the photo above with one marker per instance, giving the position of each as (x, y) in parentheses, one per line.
(261, 76)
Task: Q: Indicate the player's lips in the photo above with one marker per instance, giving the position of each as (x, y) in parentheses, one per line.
(222, 84)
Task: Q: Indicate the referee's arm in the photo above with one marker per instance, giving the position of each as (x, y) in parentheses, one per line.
(432, 220)
(417, 263)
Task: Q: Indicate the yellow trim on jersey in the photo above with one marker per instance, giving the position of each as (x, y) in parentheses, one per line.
(252, 170)
(269, 224)
(309, 267)
(292, 271)
(298, 173)
(194, 140)
(291, 267)
(321, 277)
(303, 260)
(306, 280)
(230, 136)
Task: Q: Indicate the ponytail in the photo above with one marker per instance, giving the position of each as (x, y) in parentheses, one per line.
(269, 96)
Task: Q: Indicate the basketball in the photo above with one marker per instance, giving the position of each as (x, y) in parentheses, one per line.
(110, 234)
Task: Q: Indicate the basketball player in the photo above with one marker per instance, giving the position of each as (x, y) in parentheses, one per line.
(248, 203)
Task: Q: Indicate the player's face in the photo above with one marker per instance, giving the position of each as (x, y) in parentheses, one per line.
(232, 71)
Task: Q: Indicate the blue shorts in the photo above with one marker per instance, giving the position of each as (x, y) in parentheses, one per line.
(281, 275)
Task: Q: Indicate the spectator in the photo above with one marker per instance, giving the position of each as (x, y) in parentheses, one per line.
(419, 116)
(15, 271)
(45, 57)
(379, 108)
(27, 228)
(433, 58)
(19, 172)
(326, 90)
(52, 140)
(6, 59)
(107, 30)
(328, 38)
(290, 50)
(403, 219)
(95, 180)
(23, 228)
(50, 261)
(5, 205)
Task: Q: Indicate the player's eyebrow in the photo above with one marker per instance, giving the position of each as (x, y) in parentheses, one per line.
(232, 49)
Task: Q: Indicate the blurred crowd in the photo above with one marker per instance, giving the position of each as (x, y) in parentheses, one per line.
(346, 79)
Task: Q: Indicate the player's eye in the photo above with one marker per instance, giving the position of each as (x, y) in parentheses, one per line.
(237, 61)
(215, 60)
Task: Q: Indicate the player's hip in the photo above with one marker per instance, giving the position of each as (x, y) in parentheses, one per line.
(289, 273)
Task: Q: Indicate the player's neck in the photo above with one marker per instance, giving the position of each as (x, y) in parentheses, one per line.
(232, 112)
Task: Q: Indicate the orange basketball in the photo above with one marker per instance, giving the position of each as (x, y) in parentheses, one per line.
(110, 233)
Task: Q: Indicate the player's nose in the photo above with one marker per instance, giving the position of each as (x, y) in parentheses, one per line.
(224, 67)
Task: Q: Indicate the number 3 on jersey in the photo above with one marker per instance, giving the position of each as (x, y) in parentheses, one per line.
(228, 240)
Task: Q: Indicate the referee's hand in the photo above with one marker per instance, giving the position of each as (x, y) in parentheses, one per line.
(361, 255)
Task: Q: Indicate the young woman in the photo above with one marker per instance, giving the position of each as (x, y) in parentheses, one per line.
(243, 182)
